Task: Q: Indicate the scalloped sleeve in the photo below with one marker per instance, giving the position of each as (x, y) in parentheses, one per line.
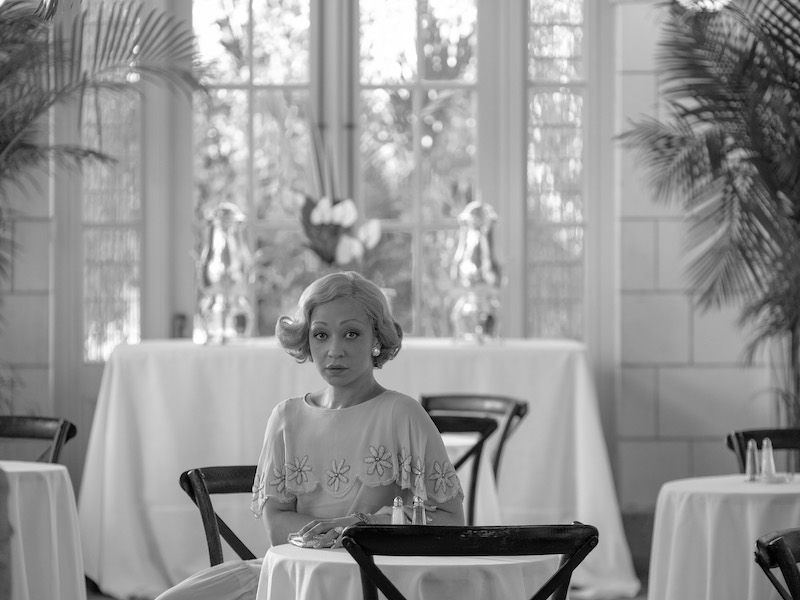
(270, 480)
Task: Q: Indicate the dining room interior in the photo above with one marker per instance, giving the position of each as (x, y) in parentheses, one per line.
(584, 206)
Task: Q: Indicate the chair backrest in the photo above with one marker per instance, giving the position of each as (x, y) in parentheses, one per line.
(572, 542)
(782, 439)
(483, 427)
(199, 484)
(781, 550)
(507, 411)
(52, 429)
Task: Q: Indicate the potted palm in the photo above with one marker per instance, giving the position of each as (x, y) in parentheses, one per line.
(728, 150)
(103, 48)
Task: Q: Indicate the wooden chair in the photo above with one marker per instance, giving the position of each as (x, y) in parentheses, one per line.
(199, 484)
(572, 542)
(483, 427)
(781, 550)
(787, 439)
(507, 411)
(51, 429)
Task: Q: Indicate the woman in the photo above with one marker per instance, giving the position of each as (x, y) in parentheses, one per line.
(340, 455)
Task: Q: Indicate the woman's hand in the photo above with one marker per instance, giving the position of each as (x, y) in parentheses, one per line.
(328, 530)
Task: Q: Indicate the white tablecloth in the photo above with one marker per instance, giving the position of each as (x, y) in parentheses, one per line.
(705, 532)
(46, 561)
(167, 406)
(292, 573)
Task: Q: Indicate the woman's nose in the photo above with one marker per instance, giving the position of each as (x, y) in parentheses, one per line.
(335, 348)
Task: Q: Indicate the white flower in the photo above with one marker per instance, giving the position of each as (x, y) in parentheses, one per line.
(349, 212)
(370, 233)
(323, 212)
(348, 249)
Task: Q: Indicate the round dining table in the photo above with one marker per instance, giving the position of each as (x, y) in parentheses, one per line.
(705, 531)
(46, 558)
(292, 573)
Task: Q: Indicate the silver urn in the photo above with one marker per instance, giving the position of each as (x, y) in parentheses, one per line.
(476, 275)
(224, 270)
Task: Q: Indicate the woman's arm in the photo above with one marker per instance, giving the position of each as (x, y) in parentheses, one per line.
(447, 513)
(282, 518)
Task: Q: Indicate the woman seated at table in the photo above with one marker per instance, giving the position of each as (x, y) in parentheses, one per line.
(339, 456)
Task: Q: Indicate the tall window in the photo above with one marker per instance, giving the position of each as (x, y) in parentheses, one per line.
(555, 207)
(391, 92)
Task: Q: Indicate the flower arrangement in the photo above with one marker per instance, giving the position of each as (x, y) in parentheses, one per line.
(330, 222)
(330, 226)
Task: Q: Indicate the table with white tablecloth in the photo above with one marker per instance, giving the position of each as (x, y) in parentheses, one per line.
(167, 406)
(46, 559)
(705, 532)
(292, 572)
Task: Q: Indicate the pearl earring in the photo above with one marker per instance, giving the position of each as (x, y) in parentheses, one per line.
(376, 351)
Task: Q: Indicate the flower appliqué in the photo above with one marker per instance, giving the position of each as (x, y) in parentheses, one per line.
(404, 468)
(443, 477)
(380, 461)
(278, 480)
(337, 474)
(298, 470)
(418, 470)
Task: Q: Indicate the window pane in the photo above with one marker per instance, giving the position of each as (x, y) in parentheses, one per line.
(223, 40)
(111, 290)
(221, 147)
(280, 41)
(111, 216)
(448, 39)
(390, 265)
(448, 150)
(387, 42)
(281, 153)
(555, 45)
(438, 294)
(387, 153)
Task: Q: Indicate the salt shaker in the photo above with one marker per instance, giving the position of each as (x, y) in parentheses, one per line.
(398, 517)
(751, 464)
(767, 460)
(418, 512)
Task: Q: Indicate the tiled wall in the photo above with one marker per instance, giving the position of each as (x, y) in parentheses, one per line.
(25, 329)
(683, 384)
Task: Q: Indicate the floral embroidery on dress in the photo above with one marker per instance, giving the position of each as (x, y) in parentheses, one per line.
(404, 468)
(443, 477)
(337, 474)
(298, 471)
(380, 461)
(278, 480)
(419, 475)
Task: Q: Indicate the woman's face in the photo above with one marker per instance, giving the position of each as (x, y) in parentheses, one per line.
(341, 340)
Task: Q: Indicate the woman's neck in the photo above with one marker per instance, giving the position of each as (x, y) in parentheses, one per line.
(344, 397)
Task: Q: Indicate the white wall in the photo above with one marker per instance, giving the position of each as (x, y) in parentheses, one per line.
(683, 385)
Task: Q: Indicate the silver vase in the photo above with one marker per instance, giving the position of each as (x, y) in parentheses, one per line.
(224, 271)
(476, 274)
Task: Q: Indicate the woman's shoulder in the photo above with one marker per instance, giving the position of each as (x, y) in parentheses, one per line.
(403, 402)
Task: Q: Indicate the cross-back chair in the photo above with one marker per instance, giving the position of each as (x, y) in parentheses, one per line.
(781, 550)
(199, 484)
(363, 542)
(783, 439)
(507, 411)
(483, 427)
(49, 429)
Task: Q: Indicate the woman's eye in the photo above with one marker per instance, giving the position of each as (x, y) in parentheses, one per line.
(351, 335)
(319, 335)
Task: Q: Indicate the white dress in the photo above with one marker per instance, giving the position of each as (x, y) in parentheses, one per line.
(334, 462)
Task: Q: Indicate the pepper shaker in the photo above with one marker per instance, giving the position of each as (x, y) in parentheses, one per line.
(751, 464)
(418, 512)
(767, 461)
(398, 517)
